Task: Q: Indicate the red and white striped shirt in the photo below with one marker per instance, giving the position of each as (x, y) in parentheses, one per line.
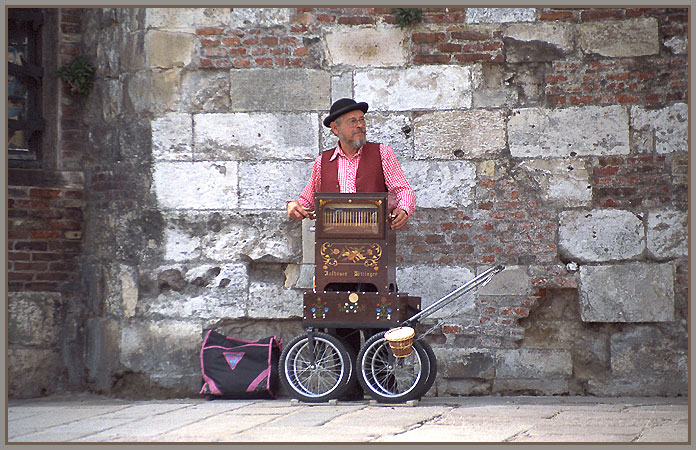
(347, 170)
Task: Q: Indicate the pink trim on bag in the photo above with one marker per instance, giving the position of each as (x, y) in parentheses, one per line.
(209, 381)
(265, 374)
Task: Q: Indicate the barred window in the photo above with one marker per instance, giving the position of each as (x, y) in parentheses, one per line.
(24, 84)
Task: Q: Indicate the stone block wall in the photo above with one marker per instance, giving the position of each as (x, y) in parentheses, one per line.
(551, 140)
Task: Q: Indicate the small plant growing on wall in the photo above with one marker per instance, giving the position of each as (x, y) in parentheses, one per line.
(79, 75)
(407, 16)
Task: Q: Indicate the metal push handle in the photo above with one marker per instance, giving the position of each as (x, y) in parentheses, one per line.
(475, 283)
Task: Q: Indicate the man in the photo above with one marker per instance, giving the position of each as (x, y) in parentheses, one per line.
(355, 165)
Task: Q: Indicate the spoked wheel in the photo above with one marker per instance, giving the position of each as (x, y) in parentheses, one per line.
(432, 373)
(389, 379)
(316, 371)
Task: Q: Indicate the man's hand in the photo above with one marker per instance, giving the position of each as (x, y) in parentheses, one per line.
(297, 212)
(400, 220)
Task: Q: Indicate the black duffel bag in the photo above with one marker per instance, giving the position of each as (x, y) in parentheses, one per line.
(236, 368)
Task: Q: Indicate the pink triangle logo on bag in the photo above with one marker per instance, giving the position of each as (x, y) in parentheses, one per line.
(233, 358)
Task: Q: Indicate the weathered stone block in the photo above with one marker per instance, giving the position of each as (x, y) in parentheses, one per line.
(165, 50)
(500, 15)
(590, 130)
(276, 90)
(495, 98)
(107, 100)
(533, 363)
(132, 50)
(172, 136)
(341, 86)
(668, 234)
(299, 276)
(34, 318)
(459, 134)
(103, 340)
(115, 293)
(513, 280)
(645, 356)
(164, 89)
(137, 93)
(207, 91)
(262, 237)
(178, 344)
(562, 182)
(269, 185)
(538, 42)
(666, 128)
(620, 38)
(328, 140)
(258, 17)
(228, 236)
(423, 87)
(361, 47)
(512, 386)
(441, 184)
(128, 282)
(394, 130)
(269, 299)
(181, 246)
(196, 185)
(557, 34)
(308, 239)
(465, 363)
(600, 235)
(213, 293)
(255, 136)
(33, 372)
(186, 18)
(632, 292)
(433, 283)
(445, 387)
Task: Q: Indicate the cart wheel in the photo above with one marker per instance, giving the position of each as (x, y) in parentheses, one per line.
(321, 378)
(388, 379)
(432, 373)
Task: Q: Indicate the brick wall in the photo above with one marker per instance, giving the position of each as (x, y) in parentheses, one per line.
(44, 237)
(45, 207)
(45, 230)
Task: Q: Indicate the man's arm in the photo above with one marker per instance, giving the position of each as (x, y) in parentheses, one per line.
(397, 183)
(304, 208)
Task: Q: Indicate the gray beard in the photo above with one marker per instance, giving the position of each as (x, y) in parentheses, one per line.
(356, 144)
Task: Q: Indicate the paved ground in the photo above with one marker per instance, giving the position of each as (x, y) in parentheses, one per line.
(85, 418)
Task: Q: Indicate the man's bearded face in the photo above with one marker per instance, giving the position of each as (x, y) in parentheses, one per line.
(351, 129)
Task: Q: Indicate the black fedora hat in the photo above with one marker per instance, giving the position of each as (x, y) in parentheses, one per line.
(341, 107)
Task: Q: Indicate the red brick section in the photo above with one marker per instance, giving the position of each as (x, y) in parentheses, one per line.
(653, 80)
(505, 226)
(72, 136)
(112, 188)
(44, 237)
(45, 216)
(459, 44)
(632, 181)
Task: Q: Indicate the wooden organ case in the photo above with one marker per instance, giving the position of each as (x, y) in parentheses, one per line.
(355, 257)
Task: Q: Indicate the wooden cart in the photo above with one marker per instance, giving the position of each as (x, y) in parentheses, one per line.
(355, 288)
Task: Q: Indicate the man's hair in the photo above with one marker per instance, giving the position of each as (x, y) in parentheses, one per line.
(338, 120)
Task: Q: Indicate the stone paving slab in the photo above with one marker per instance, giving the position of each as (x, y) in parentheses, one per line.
(83, 418)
